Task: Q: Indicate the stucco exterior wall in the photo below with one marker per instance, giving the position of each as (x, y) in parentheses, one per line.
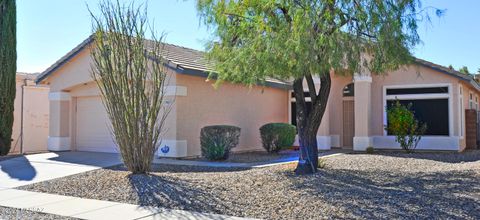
(75, 72)
(74, 79)
(17, 114)
(467, 89)
(414, 75)
(35, 116)
(335, 107)
(411, 75)
(228, 105)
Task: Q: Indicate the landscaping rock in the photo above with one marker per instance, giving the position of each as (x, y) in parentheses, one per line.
(385, 185)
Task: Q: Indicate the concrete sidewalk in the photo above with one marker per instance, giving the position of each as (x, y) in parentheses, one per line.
(93, 209)
(186, 162)
(24, 170)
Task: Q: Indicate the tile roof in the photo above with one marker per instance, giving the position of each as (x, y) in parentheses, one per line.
(182, 57)
(186, 57)
(452, 72)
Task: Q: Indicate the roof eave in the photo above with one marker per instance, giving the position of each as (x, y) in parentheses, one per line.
(63, 60)
(468, 79)
(203, 73)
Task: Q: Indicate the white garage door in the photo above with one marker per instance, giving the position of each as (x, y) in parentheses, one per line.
(92, 126)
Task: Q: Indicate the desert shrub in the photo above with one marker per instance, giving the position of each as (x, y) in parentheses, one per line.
(370, 150)
(402, 123)
(277, 136)
(132, 87)
(216, 141)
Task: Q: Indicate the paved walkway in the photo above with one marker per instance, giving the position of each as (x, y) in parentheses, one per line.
(93, 209)
(24, 170)
(170, 161)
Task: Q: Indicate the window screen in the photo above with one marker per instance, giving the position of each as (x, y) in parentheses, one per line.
(305, 94)
(349, 90)
(412, 91)
(433, 112)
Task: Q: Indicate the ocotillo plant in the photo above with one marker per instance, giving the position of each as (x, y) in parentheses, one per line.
(131, 75)
(8, 68)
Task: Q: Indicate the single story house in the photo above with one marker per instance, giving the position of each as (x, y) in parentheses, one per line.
(355, 116)
(30, 116)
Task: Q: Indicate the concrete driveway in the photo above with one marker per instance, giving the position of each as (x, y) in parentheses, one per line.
(35, 168)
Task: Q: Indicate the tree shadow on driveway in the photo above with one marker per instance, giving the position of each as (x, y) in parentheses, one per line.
(157, 191)
(18, 168)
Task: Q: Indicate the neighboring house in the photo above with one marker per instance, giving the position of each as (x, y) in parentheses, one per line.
(31, 115)
(355, 116)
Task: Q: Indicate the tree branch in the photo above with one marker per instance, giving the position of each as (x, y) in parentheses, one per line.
(311, 88)
(285, 13)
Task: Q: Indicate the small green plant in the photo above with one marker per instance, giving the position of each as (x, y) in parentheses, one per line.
(370, 150)
(277, 136)
(408, 131)
(215, 151)
(322, 163)
(216, 141)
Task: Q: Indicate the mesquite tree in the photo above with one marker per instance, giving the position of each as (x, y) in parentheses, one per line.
(302, 39)
(8, 69)
(132, 78)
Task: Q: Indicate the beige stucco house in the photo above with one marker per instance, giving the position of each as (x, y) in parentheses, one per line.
(355, 115)
(31, 115)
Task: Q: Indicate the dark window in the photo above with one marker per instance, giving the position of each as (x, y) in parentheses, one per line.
(433, 112)
(410, 91)
(349, 90)
(306, 94)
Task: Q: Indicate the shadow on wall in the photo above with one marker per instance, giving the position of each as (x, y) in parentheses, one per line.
(381, 194)
(88, 158)
(18, 168)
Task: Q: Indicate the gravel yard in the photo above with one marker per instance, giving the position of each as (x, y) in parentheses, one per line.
(386, 185)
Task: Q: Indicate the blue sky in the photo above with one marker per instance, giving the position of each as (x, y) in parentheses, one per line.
(48, 29)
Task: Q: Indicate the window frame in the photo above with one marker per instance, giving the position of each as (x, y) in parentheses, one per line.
(291, 99)
(461, 109)
(470, 100)
(448, 96)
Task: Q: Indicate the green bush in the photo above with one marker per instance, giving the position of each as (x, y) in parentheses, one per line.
(216, 141)
(370, 150)
(402, 123)
(277, 136)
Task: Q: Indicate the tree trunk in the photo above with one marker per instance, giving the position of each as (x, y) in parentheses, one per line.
(308, 121)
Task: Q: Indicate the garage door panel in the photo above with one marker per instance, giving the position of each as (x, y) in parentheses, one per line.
(93, 126)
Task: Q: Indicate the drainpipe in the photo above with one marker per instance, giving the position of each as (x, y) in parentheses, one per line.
(21, 114)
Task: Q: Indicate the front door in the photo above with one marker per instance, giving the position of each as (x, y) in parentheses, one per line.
(348, 123)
